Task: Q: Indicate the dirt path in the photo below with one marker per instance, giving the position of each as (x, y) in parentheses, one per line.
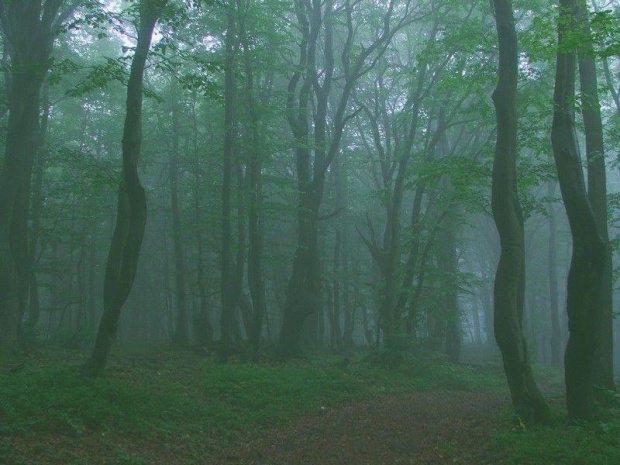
(426, 428)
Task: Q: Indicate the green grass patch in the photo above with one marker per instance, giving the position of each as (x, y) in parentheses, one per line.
(561, 444)
(184, 395)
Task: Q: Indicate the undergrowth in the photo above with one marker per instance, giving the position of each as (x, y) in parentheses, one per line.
(48, 412)
(596, 443)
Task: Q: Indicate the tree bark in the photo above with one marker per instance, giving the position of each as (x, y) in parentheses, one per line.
(303, 297)
(453, 323)
(29, 30)
(203, 329)
(34, 308)
(181, 335)
(510, 277)
(603, 373)
(555, 341)
(227, 317)
(256, 281)
(131, 215)
(588, 259)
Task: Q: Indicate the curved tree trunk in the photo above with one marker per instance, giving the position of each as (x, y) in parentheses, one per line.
(510, 278)
(597, 193)
(587, 266)
(131, 215)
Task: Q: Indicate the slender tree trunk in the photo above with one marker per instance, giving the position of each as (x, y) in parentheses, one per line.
(181, 336)
(202, 321)
(588, 260)
(167, 286)
(453, 323)
(92, 267)
(256, 280)
(243, 305)
(554, 307)
(510, 278)
(131, 216)
(227, 282)
(37, 205)
(603, 370)
(337, 294)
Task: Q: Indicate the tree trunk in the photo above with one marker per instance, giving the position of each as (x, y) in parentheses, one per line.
(585, 276)
(510, 277)
(131, 215)
(453, 323)
(603, 370)
(227, 317)
(554, 308)
(181, 335)
(30, 27)
(256, 280)
(34, 310)
(203, 329)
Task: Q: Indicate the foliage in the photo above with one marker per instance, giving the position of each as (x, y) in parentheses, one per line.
(174, 397)
(562, 444)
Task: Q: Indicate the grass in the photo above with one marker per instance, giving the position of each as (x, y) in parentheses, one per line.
(181, 396)
(49, 414)
(562, 444)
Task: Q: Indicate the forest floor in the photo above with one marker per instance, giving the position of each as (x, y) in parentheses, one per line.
(438, 427)
(171, 408)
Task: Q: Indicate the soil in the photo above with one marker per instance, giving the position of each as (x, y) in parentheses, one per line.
(426, 428)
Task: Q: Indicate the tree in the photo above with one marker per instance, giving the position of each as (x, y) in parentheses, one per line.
(181, 336)
(314, 150)
(256, 280)
(229, 292)
(589, 248)
(131, 211)
(29, 30)
(603, 373)
(510, 276)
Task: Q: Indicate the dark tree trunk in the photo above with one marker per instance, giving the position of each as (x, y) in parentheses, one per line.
(203, 329)
(587, 268)
(181, 335)
(131, 215)
(603, 370)
(229, 300)
(510, 278)
(303, 290)
(453, 321)
(30, 28)
(34, 310)
(554, 307)
(256, 280)
(243, 305)
(303, 297)
(337, 341)
(92, 267)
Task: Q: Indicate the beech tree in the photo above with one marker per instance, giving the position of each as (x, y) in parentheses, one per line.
(510, 277)
(131, 211)
(29, 30)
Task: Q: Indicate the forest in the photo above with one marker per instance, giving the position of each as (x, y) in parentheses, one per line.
(309, 232)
